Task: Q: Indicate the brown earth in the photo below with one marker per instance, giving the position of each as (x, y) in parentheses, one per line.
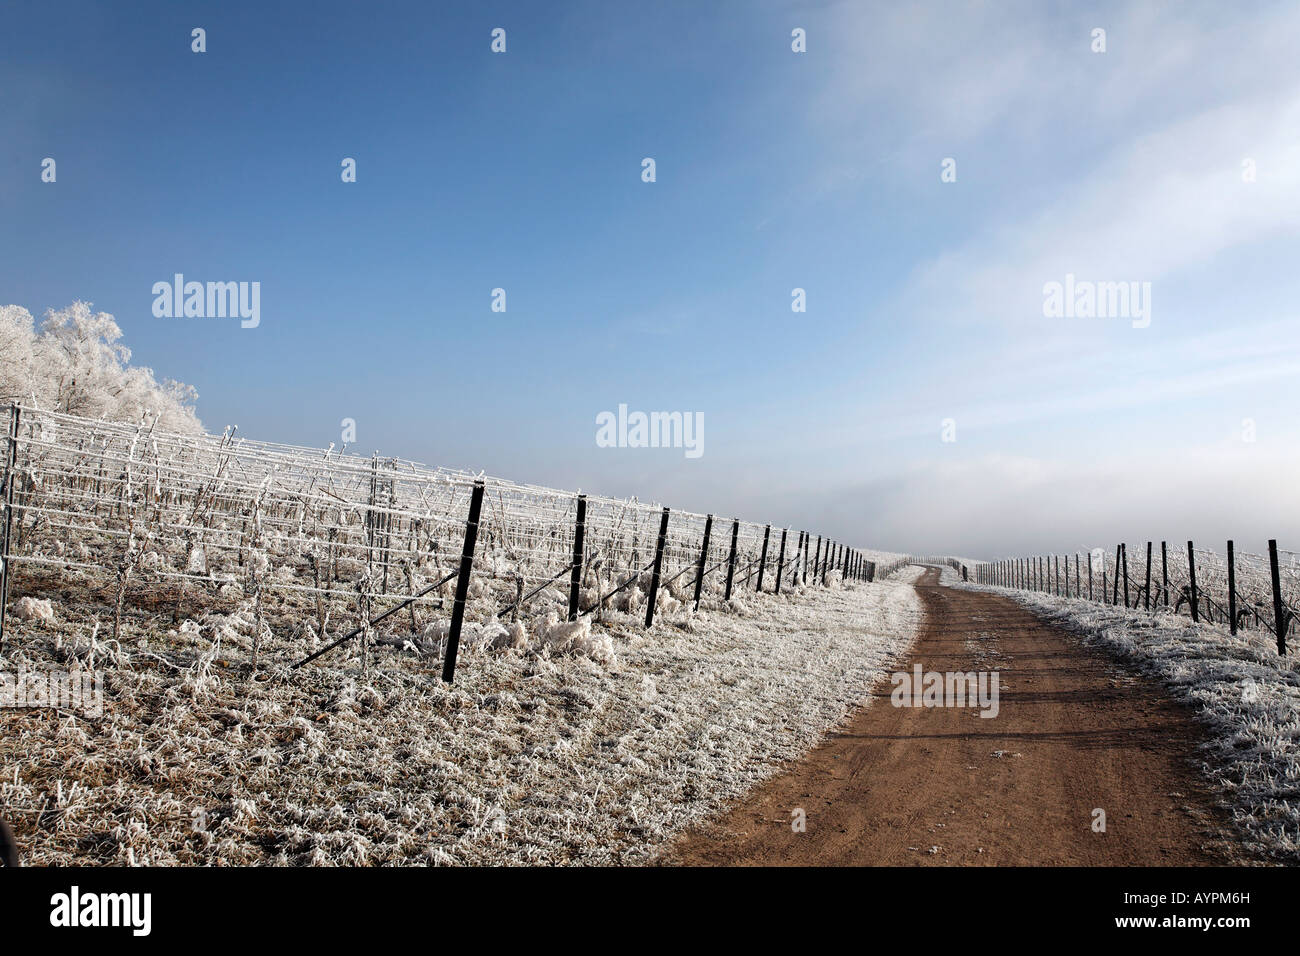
(914, 786)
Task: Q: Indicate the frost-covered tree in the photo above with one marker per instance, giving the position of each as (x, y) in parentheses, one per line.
(75, 364)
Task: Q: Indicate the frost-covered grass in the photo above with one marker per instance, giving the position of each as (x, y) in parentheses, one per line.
(1246, 695)
(587, 747)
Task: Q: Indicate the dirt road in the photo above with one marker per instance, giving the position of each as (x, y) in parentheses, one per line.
(944, 786)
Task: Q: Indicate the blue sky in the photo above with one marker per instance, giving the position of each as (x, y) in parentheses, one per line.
(775, 170)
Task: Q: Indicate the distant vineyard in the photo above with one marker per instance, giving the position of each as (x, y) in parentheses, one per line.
(1238, 589)
(317, 549)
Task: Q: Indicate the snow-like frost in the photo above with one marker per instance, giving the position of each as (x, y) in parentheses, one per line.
(597, 754)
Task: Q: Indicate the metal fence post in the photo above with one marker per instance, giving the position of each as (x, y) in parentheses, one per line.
(1281, 616)
(1146, 588)
(762, 560)
(1114, 597)
(462, 582)
(575, 577)
(1232, 591)
(731, 561)
(1123, 550)
(1164, 571)
(704, 555)
(658, 568)
(780, 562)
(11, 462)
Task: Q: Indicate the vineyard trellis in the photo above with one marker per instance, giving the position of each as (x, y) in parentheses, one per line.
(1240, 589)
(153, 523)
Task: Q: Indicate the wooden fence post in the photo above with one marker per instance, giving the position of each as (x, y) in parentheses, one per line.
(731, 561)
(1281, 616)
(762, 559)
(1191, 577)
(1232, 591)
(462, 582)
(1089, 575)
(575, 576)
(704, 554)
(658, 568)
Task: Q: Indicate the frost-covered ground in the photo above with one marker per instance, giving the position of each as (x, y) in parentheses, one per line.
(1247, 696)
(587, 748)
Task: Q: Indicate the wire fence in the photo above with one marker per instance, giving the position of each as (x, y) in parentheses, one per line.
(1239, 589)
(321, 547)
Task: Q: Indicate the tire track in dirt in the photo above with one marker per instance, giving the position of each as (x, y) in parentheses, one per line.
(943, 786)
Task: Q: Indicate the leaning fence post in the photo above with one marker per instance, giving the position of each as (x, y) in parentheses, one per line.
(658, 567)
(462, 582)
(762, 560)
(1146, 588)
(1232, 591)
(780, 562)
(1281, 616)
(575, 577)
(817, 560)
(1191, 577)
(704, 554)
(11, 460)
(731, 561)
(1114, 597)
